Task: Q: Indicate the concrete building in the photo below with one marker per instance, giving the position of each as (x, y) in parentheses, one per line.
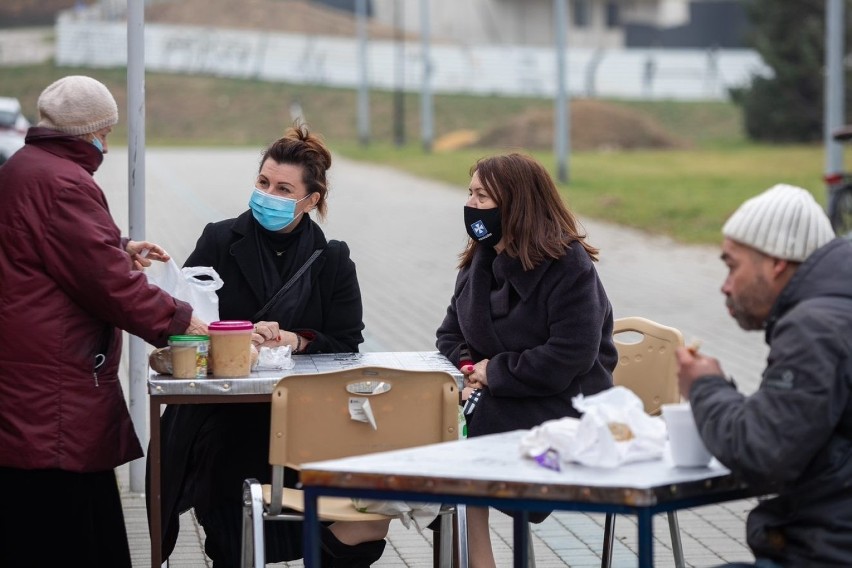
(594, 24)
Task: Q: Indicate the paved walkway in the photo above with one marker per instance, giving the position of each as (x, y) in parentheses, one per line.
(405, 234)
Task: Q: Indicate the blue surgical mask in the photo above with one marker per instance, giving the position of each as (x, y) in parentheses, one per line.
(272, 212)
(96, 142)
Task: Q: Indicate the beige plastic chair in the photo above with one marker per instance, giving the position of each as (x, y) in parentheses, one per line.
(311, 421)
(647, 366)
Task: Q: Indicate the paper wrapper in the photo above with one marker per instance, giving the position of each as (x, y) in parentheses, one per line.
(613, 430)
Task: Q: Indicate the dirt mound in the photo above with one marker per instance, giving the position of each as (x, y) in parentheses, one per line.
(282, 16)
(595, 125)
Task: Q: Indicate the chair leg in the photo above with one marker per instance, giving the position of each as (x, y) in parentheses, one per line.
(530, 548)
(442, 555)
(677, 547)
(608, 540)
(461, 535)
(253, 552)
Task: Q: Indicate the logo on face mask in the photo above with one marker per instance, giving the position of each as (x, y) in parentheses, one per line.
(272, 212)
(483, 225)
(479, 229)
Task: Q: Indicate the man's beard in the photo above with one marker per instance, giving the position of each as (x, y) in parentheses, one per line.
(745, 308)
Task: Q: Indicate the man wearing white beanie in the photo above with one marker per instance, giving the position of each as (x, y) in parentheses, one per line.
(790, 278)
(69, 284)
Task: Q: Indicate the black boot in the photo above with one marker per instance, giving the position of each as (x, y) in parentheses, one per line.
(335, 554)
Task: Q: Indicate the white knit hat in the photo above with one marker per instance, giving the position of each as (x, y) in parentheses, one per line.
(784, 221)
(77, 105)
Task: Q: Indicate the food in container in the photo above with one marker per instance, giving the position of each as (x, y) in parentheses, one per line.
(230, 348)
(189, 356)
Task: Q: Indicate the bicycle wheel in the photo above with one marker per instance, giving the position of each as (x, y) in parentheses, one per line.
(840, 211)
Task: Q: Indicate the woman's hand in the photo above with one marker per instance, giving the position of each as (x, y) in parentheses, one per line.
(143, 252)
(475, 376)
(267, 333)
(196, 327)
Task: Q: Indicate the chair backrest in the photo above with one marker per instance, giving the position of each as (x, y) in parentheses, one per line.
(647, 366)
(319, 416)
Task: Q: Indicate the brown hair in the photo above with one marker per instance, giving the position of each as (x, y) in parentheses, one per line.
(300, 147)
(536, 223)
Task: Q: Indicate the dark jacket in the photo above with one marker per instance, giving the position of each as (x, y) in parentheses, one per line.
(67, 289)
(547, 333)
(796, 430)
(209, 450)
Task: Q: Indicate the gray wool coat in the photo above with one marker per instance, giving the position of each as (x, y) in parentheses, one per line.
(547, 333)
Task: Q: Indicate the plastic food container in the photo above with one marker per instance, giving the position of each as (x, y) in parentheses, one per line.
(230, 348)
(189, 356)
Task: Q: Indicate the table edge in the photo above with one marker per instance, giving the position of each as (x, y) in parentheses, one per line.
(628, 496)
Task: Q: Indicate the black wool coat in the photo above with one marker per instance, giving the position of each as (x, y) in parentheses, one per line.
(547, 333)
(333, 311)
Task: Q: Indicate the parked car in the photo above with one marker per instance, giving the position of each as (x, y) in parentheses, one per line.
(13, 127)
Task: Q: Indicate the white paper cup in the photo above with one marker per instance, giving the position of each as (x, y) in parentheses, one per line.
(687, 448)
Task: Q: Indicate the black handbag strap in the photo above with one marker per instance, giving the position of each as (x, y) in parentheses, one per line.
(287, 285)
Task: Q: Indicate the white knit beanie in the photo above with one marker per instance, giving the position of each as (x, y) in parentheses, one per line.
(784, 221)
(77, 105)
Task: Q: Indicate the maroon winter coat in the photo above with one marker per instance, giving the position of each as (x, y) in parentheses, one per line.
(67, 288)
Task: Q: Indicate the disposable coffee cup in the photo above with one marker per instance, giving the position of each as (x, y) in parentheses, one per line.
(230, 348)
(687, 448)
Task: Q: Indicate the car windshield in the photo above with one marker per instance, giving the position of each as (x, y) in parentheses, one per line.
(7, 119)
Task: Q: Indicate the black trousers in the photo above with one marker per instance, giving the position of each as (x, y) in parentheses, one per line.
(232, 445)
(61, 518)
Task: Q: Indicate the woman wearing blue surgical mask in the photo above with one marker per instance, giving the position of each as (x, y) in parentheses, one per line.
(299, 289)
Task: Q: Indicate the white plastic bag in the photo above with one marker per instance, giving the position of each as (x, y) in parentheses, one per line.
(590, 441)
(274, 359)
(185, 285)
(422, 514)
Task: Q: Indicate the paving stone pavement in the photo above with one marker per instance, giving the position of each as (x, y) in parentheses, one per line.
(405, 234)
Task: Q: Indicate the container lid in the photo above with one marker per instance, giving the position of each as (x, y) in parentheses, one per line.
(179, 338)
(231, 325)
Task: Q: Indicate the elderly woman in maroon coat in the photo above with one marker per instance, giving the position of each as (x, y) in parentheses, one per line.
(529, 323)
(69, 284)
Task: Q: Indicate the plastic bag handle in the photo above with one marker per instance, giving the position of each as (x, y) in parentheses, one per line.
(191, 273)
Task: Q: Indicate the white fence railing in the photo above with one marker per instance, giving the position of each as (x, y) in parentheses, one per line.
(680, 74)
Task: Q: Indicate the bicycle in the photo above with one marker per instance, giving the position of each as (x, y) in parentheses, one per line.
(839, 185)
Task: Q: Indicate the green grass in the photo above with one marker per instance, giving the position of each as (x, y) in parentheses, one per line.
(686, 194)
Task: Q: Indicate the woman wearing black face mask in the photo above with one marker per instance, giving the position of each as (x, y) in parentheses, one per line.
(529, 323)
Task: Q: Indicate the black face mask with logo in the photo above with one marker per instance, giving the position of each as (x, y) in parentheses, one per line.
(483, 225)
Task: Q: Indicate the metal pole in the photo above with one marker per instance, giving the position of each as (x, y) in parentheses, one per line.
(138, 364)
(426, 118)
(399, 83)
(834, 84)
(562, 116)
(363, 84)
